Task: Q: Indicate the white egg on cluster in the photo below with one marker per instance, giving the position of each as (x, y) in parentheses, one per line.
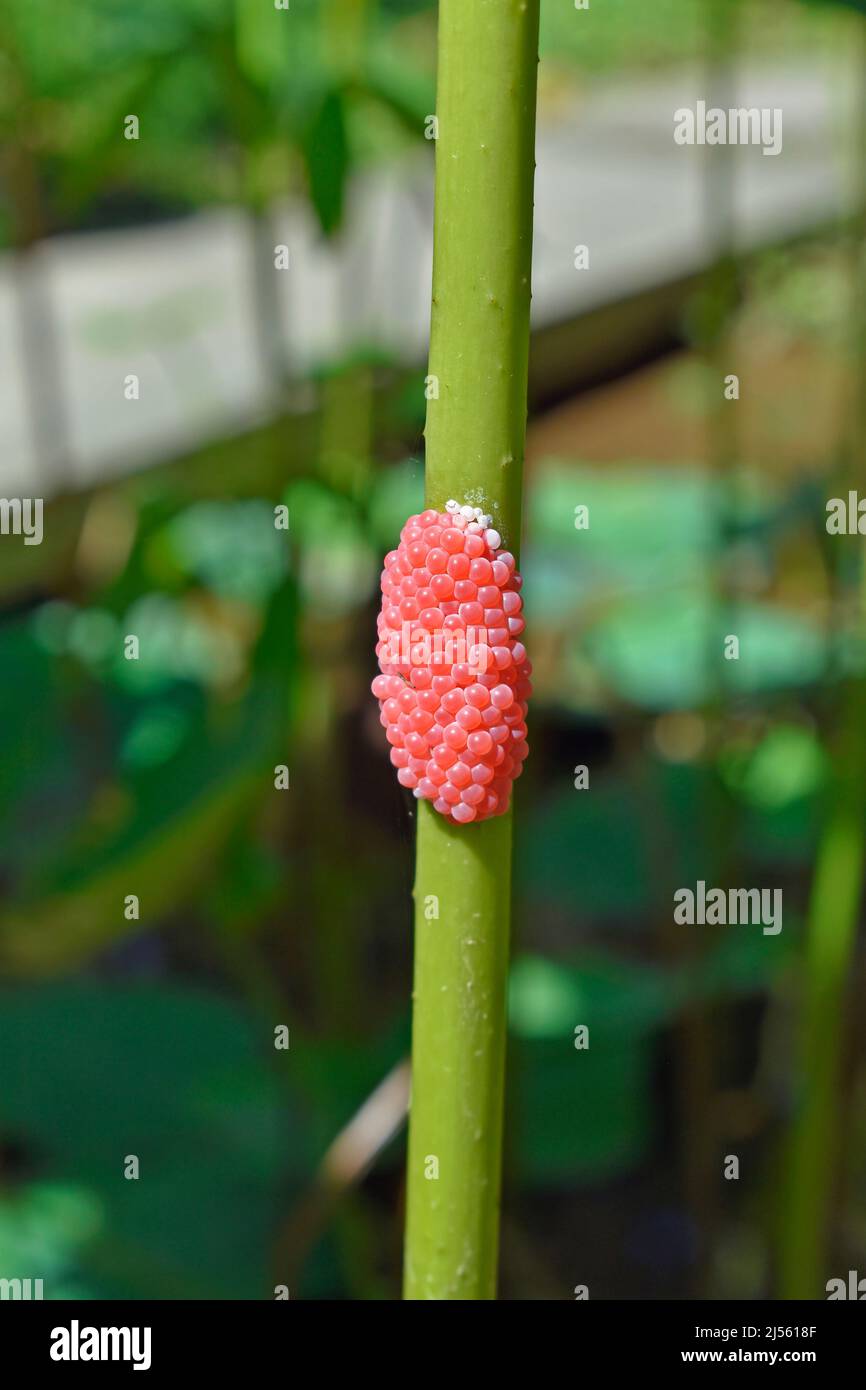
(476, 522)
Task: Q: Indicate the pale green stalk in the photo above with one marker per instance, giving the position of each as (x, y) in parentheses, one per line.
(475, 441)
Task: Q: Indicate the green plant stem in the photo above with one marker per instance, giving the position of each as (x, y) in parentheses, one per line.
(814, 1158)
(475, 441)
(813, 1154)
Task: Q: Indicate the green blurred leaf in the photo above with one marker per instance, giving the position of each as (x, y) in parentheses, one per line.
(582, 1114)
(587, 1113)
(325, 148)
(159, 847)
(396, 493)
(547, 999)
(400, 87)
(788, 764)
(657, 652)
(184, 1081)
(45, 1229)
(262, 36)
(338, 565)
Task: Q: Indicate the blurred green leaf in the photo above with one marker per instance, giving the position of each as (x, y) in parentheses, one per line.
(184, 1081)
(338, 565)
(657, 651)
(400, 87)
(157, 846)
(397, 492)
(787, 764)
(586, 1113)
(573, 849)
(45, 1229)
(325, 149)
(582, 1114)
(163, 862)
(232, 547)
(263, 40)
(548, 1000)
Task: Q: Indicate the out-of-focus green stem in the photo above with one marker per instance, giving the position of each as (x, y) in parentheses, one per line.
(813, 1149)
(814, 1160)
(488, 53)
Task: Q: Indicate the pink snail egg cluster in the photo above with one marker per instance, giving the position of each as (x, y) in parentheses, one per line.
(454, 681)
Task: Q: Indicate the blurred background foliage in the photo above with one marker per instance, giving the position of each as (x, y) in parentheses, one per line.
(153, 1034)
